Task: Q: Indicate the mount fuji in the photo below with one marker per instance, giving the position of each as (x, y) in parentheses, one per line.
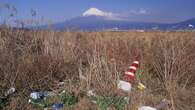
(97, 20)
(96, 12)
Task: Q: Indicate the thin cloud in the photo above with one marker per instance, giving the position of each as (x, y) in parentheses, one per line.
(139, 12)
(126, 15)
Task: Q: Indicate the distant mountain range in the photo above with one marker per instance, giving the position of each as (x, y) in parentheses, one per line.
(97, 20)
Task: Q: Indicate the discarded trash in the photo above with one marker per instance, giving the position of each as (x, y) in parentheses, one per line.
(39, 99)
(92, 96)
(146, 108)
(164, 103)
(41, 94)
(141, 86)
(4, 99)
(57, 106)
(38, 95)
(125, 86)
(126, 99)
(90, 93)
(61, 83)
(10, 91)
(35, 95)
(43, 99)
(129, 76)
(63, 92)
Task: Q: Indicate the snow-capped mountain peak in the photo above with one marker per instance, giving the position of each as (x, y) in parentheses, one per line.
(96, 12)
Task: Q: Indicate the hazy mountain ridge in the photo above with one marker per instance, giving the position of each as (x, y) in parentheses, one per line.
(97, 23)
(97, 20)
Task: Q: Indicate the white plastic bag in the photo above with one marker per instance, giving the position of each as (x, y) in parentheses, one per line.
(125, 86)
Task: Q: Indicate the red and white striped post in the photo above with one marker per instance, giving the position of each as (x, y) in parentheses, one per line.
(129, 75)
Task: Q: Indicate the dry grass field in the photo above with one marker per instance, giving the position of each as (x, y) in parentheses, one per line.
(36, 60)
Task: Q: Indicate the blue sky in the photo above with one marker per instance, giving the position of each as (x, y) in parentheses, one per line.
(164, 11)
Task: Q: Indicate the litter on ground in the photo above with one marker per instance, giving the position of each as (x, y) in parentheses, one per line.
(10, 91)
(5, 97)
(38, 95)
(129, 75)
(125, 86)
(42, 99)
(57, 106)
(163, 104)
(146, 108)
(141, 86)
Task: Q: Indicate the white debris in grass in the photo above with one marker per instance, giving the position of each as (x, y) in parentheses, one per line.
(146, 108)
(90, 93)
(125, 86)
(10, 91)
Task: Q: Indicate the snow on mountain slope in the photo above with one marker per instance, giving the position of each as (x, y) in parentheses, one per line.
(96, 12)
